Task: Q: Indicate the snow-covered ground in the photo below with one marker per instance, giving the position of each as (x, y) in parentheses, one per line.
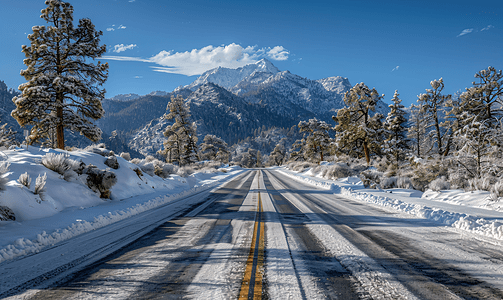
(69, 207)
(474, 212)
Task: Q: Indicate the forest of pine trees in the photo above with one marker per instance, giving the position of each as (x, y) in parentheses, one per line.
(453, 139)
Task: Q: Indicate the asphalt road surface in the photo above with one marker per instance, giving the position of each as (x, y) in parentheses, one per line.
(263, 235)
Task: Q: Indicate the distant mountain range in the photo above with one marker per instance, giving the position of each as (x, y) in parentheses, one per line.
(230, 103)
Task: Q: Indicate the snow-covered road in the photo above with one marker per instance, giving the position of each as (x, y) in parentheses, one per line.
(266, 235)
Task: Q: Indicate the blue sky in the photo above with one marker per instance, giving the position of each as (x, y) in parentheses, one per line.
(388, 45)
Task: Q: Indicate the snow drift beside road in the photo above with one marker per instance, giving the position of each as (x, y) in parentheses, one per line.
(70, 208)
(468, 211)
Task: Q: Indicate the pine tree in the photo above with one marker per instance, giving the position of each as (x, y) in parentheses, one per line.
(479, 116)
(259, 159)
(396, 143)
(63, 88)
(278, 155)
(419, 140)
(7, 136)
(214, 148)
(181, 136)
(357, 130)
(432, 102)
(318, 138)
(249, 159)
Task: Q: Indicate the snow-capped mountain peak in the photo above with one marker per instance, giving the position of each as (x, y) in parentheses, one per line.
(336, 84)
(227, 78)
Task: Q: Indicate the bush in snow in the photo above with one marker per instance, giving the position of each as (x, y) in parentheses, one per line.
(439, 184)
(152, 166)
(112, 162)
(371, 178)
(63, 165)
(427, 171)
(40, 184)
(4, 168)
(164, 170)
(138, 172)
(338, 170)
(126, 156)
(99, 149)
(56, 162)
(25, 180)
(497, 190)
(100, 180)
(300, 166)
(389, 182)
(185, 171)
(404, 182)
(481, 184)
(146, 166)
(208, 166)
(6, 214)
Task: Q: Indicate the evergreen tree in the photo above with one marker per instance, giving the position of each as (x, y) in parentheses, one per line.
(318, 138)
(479, 116)
(357, 129)
(249, 159)
(432, 102)
(181, 136)
(278, 155)
(214, 148)
(63, 88)
(396, 143)
(417, 131)
(259, 159)
(7, 136)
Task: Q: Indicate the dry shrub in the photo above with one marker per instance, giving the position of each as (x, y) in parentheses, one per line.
(126, 156)
(439, 184)
(4, 168)
(25, 180)
(389, 182)
(336, 171)
(300, 166)
(100, 180)
(404, 182)
(371, 178)
(497, 190)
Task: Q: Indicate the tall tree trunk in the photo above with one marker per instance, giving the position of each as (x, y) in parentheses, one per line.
(367, 154)
(321, 154)
(60, 133)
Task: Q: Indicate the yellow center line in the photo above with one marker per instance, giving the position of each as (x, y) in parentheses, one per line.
(251, 286)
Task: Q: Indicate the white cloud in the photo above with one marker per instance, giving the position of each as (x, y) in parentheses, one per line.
(113, 28)
(466, 31)
(395, 68)
(121, 47)
(278, 53)
(197, 61)
(487, 28)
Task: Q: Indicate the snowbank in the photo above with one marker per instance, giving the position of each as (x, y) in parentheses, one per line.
(70, 208)
(464, 211)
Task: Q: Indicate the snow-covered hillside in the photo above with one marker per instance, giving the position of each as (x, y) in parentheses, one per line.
(263, 82)
(68, 207)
